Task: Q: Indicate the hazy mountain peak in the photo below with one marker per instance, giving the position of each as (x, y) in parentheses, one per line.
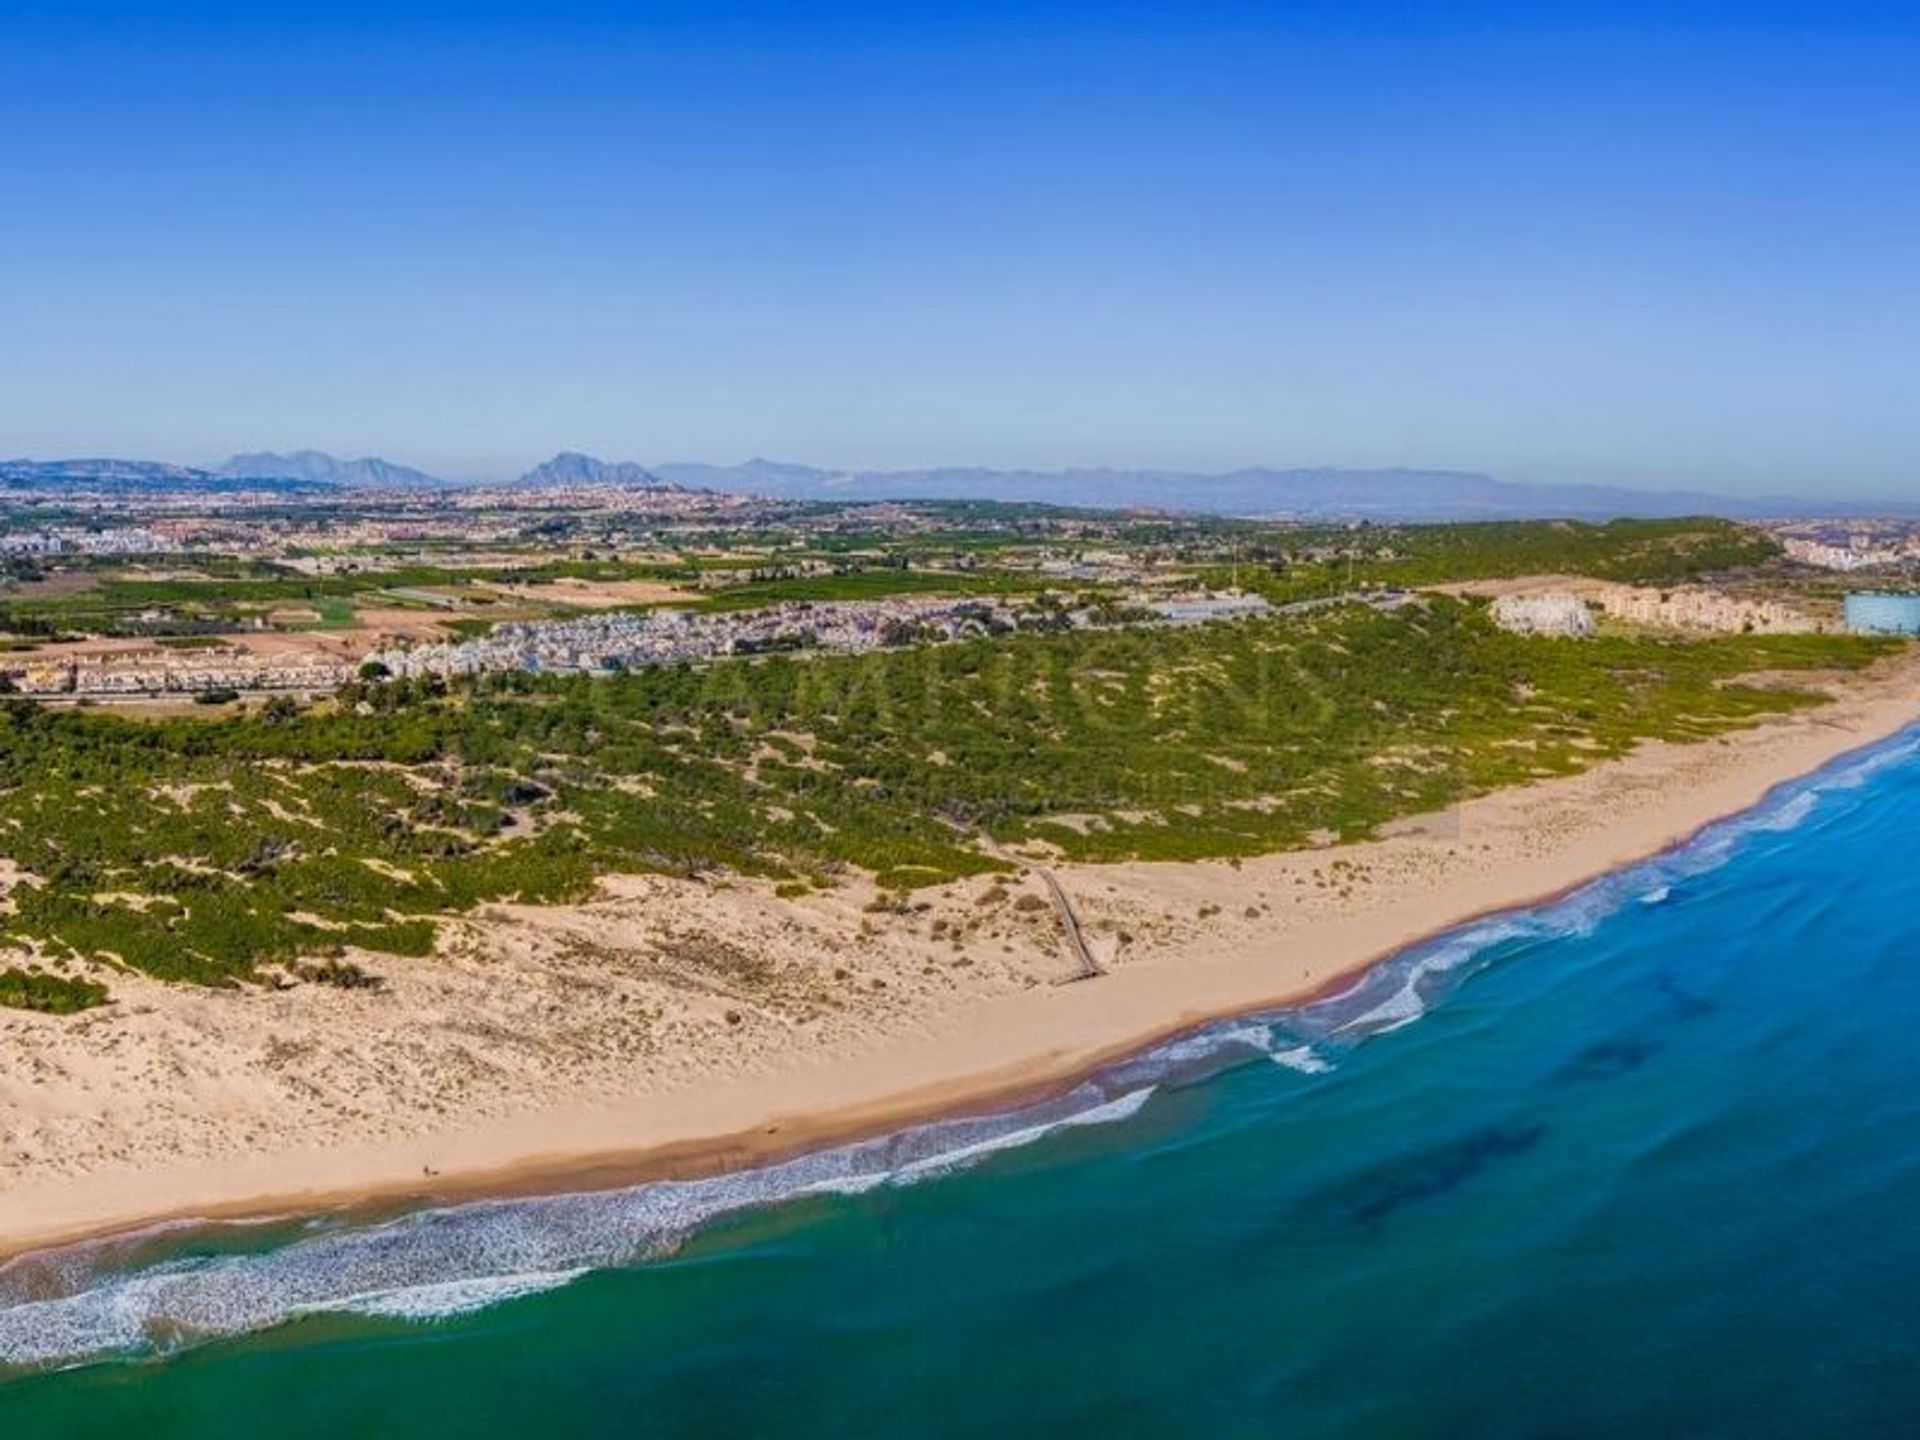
(758, 475)
(97, 468)
(318, 467)
(570, 467)
(1316, 493)
(106, 473)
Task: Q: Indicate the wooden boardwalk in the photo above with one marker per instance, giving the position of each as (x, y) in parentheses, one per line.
(1070, 922)
(1089, 967)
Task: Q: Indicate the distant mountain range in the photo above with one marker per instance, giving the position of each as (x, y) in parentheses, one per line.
(1310, 494)
(569, 467)
(319, 468)
(1320, 494)
(130, 476)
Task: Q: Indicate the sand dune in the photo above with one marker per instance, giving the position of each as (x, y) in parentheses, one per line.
(672, 1024)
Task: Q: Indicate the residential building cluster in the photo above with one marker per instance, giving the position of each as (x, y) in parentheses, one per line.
(1555, 614)
(1850, 543)
(1844, 557)
(198, 672)
(627, 640)
(1571, 611)
(1698, 608)
(77, 540)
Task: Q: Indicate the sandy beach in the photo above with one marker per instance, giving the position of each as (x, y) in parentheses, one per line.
(670, 1026)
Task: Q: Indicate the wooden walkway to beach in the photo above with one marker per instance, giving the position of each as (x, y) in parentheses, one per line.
(1070, 922)
(1090, 968)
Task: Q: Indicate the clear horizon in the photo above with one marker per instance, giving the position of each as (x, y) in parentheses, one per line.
(515, 472)
(1621, 245)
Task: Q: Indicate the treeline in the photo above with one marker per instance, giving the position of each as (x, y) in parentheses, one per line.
(1325, 560)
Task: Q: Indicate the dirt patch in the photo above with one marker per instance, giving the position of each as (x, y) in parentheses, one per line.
(598, 594)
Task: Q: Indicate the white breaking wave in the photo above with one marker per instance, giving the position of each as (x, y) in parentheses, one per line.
(1789, 814)
(453, 1260)
(945, 1162)
(1214, 1041)
(1402, 1007)
(1405, 981)
(1854, 772)
(1402, 990)
(1122, 1108)
(1301, 1058)
(445, 1299)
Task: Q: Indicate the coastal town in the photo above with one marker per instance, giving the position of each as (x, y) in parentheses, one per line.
(113, 591)
(591, 645)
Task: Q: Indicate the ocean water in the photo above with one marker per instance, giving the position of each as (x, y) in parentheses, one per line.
(1644, 1161)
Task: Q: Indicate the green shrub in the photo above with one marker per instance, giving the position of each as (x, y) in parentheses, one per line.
(49, 994)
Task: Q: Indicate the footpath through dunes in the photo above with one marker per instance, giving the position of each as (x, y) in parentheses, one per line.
(1070, 924)
(1087, 967)
(682, 1025)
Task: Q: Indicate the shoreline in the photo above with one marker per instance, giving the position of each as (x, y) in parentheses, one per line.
(1016, 1047)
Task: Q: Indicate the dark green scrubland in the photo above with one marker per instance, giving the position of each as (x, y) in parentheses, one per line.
(202, 849)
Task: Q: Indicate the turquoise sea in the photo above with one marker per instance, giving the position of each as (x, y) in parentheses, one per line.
(1644, 1161)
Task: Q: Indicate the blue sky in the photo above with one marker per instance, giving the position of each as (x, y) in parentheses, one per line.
(1655, 245)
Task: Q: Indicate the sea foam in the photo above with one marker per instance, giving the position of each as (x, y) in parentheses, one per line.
(455, 1259)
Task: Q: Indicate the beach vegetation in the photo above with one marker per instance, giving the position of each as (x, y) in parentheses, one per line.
(48, 994)
(207, 848)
